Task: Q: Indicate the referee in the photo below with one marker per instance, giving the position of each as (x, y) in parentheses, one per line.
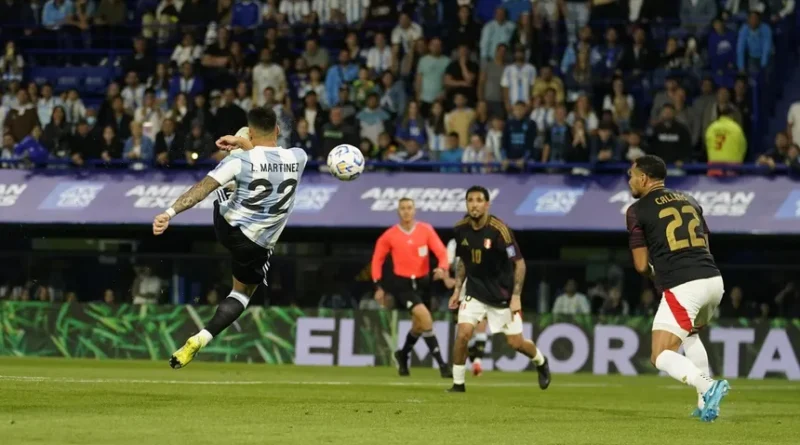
(409, 243)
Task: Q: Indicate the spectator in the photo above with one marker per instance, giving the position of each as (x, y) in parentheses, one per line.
(682, 114)
(435, 127)
(620, 104)
(170, 145)
(216, 59)
(56, 134)
(662, 98)
(430, 72)
(199, 112)
(347, 106)
(558, 138)
(671, 139)
(372, 119)
(743, 102)
(411, 153)
(46, 104)
(193, 17)
(267, 74)
(754, 41)
(11, 64)
(313, 114)
(712, 112)
(496, 32)
(489, 80)
(22, 118)
(518, 137)
(735, 305)
(362, 87)
(302, 137)
(146, 287)
(108, 146)
(480, 124)
(431, 15)
(584, 43)
(725, 141)
(494, 138)
(647, 306)
(230, 118)
(133, 93)
(543, 112)
(141, 61)
(118, 118)
(110, 14)
(316, 56)
(672, 57)
(200, 142)
(633, 149)
(547, 80)
(245, 17)
(571, 302)
(452, 154)
(186, 51)
(354, 51)
(31, 147)
(699, 106)
(606, 58)
(386, 147)
(342, 74)
(404, 35)
(187, 83)
(518, 79)
(411, 127)
(7, 150)
(576, 15)
(787, 302)
(580, 79)
(393, 98)
(584, 111)
(459, 120)
(779, 155)
(614, 304)
(696, 15)
(722, 43)
(57, 18)
(476, 153)
(243, 99)
(793, 122)
(82, 144)
(159, 82)
(579, 148)
(605, 147)
(461, 76)
(138, 147)
(463, 30)
(336, 132)
(638, 58)
(379, 57)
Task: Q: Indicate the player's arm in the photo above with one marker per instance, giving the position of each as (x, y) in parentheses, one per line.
(509, 245)
(194, 195)
(637, 244)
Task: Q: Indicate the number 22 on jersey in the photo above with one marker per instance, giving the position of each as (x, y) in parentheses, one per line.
(677, 217)
(267, 188)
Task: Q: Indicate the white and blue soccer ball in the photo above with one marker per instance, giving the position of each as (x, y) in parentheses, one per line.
(346, 162)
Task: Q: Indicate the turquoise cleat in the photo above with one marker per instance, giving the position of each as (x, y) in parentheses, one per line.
(713, 397)
(696, 413)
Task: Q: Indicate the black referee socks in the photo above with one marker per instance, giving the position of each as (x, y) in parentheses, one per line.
(433, 345)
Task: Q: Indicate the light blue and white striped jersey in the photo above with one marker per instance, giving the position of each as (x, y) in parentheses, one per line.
(266, 183)
(519, 81)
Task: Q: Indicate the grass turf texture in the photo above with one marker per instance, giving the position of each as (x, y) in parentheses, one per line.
(58, 401)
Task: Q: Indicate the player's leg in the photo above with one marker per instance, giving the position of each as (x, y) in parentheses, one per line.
(511, 325)
(477, 347)
(469, 313)
(695, 351)
(228, 311)
(673, 322)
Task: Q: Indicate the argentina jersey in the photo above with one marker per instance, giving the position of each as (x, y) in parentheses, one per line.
(266, 181)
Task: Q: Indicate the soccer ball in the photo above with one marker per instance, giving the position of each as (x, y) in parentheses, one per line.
(346, 162)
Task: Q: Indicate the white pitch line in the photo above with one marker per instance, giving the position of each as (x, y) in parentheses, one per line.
(43, 379)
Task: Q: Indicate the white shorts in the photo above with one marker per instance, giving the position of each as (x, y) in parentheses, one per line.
(463, 294)
(502, 320)
(688, 306)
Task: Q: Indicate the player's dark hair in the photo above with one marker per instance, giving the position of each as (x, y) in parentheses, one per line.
(404, 199)
(652, 166)
(262, 119)
(478, 189)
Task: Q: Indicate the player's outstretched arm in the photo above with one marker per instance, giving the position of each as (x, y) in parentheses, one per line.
(230, 143)
(194, 195)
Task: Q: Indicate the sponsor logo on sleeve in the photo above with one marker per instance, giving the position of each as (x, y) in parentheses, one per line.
(73, 195)
(790, 209)
(549, 201)
(426, 199)
(732, 203)
(10, 193)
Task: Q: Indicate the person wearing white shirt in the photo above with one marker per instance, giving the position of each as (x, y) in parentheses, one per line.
(133, 93)
(476, 153)
(517, 80)
(296, 11)
(405, 34)
(793, 122)
(243, 97)
(571, 302)
(46, 104)
(355, 11)
(150, 113)
(186, 51)
(494, 138)
(379, 57)
(268, 74)
(74, 107)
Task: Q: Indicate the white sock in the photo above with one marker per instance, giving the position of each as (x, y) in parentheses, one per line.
(204, 337)
(481, 336)
(695, 351)
(683, 370)
(538, 359)
(459, 373)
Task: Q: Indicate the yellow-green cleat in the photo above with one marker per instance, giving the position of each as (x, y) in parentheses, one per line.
(184, 355)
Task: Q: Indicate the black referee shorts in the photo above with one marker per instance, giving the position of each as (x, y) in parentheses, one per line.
(407, 292)
(250, 261)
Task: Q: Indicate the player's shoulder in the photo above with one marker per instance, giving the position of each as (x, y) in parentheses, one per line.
(500, 227)
(462, 224)
(299, 153)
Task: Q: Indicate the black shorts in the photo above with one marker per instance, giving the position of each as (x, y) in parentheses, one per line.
(408, 293)
(250, 261)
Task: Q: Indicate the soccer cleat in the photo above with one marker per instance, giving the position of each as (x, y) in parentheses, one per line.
(446, 371)
(184, 355)
(458, 388)
(544, 374)
(712, 398)
(477, 370)
(696, 413)
(402, 363)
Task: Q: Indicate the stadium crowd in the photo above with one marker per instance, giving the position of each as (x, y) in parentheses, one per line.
(472, 81)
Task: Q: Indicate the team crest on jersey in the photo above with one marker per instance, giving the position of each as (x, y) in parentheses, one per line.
(487, 243)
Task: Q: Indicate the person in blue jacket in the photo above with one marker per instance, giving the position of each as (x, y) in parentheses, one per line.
(519, 137)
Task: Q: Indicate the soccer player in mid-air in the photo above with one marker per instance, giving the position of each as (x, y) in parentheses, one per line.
(249, 221)
(667, 227)
(492, 266)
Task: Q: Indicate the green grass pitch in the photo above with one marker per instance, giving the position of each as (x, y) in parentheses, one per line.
(56, 401)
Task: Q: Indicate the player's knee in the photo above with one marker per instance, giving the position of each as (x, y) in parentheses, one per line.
(515, 341)
(463, 335)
